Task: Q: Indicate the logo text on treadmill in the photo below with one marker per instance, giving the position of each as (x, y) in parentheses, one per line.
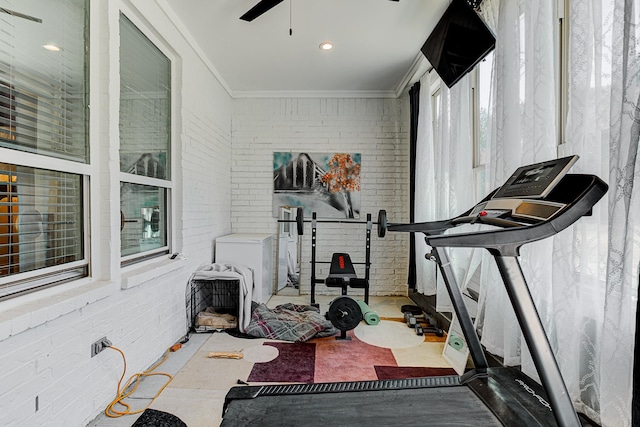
(534, 394)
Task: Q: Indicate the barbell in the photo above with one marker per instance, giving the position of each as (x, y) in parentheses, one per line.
(381, 223)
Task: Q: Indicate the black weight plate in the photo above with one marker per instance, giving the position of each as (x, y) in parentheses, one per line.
(344, 313)
(300, 221)
(382, 223)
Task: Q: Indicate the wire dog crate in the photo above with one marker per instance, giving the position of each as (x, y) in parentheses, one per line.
(222, 296)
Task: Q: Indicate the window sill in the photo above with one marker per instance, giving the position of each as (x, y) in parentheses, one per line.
(25, 313)
(138, 274)
(32, 310)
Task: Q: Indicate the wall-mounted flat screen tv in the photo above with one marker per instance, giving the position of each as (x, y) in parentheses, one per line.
(458, 42)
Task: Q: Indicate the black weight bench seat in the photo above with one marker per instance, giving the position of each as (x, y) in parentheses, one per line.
(343, 275)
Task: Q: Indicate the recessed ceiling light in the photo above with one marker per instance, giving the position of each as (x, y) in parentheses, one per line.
(52, 47)
(326, 46)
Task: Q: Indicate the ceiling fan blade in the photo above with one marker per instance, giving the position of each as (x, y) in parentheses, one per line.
(259, 9)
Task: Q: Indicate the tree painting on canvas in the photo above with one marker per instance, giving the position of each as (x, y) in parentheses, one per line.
(325, 183)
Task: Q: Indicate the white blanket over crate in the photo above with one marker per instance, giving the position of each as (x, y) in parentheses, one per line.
(231, 272)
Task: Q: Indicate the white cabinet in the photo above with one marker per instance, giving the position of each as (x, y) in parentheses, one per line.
(250, 250)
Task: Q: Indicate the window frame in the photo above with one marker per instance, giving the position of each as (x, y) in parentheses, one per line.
(434, 98)
(15, 285)
(479, 167)
(563, 70)
(42, 278)
(168, 184)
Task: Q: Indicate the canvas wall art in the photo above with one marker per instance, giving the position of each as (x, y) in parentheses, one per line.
(325, 183)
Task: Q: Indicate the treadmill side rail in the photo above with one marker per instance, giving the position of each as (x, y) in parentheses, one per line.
(514, 398)
(537, 341)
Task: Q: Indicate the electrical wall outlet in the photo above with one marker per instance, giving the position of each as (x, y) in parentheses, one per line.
(99, 345)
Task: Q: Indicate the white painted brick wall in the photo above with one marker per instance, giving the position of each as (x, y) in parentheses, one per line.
(53, 361)
(376, 128)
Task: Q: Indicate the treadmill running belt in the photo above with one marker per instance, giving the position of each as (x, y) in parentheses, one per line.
(448, 406)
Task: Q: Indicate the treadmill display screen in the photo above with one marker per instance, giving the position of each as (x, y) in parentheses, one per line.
(537, 180)
(529, 176)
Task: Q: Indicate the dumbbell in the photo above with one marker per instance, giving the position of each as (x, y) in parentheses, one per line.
(410, 320)
(422, 324)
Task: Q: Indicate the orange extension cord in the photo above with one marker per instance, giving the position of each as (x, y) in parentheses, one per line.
(122, 394)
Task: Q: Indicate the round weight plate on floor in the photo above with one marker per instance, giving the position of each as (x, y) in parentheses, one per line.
(344, 313)
(413, 309)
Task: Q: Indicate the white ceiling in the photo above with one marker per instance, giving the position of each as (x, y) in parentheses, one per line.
(377, 44)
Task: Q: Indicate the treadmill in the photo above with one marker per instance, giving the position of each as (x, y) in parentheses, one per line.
(536, 202)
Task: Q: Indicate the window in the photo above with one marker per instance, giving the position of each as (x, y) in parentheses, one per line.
(482, 124)
(43, 143)
(145, 145)
(435, 112)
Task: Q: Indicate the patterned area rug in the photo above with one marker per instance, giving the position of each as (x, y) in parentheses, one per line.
(329, 360)
(295, 363)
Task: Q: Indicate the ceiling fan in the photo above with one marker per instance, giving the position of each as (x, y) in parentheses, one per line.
(262, 7)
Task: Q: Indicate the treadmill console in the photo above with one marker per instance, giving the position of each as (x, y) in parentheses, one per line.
(517, 209)
(537, 180)
(521, 198)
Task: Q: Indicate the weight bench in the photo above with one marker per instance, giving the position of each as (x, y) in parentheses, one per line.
(343, 275)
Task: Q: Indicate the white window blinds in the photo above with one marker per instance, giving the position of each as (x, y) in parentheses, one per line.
(42, 91)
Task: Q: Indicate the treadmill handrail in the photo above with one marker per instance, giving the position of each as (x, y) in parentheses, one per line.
(438, 226)
(428, 228)
(504, 223)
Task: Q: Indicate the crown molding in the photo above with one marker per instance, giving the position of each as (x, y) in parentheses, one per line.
(314, 94)
(184, 32)
(418, 68)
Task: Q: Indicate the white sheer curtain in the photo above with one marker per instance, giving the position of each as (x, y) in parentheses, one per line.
(523, 111)
(454, 151)
(585, 280)
(616, 357)
(425, 209)
(598, 258)
(454, 174)
(445, 162)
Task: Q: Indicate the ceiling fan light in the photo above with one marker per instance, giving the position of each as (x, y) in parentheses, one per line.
(326, 46)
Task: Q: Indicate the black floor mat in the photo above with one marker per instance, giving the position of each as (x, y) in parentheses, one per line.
(153, 418)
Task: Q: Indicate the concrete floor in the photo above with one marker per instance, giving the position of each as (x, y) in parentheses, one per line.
(196, 393)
